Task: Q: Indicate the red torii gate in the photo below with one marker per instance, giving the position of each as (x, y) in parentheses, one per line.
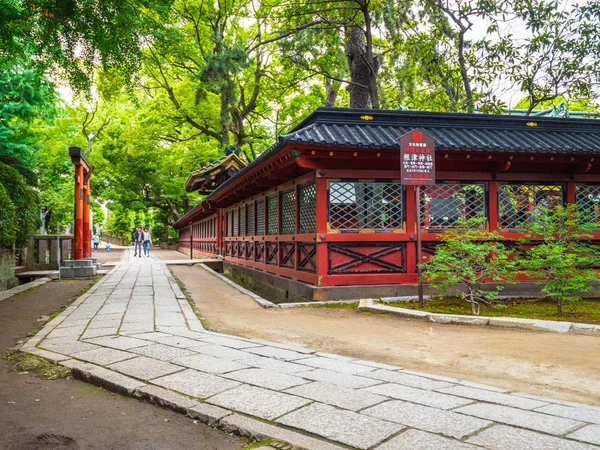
(81, 232)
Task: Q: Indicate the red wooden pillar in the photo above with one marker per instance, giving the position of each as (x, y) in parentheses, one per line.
(220, 215)
(322, 194)
(411, 228)
(493, 206)
(78, 222)
(571, 193)
(81, 220)
(86, 220)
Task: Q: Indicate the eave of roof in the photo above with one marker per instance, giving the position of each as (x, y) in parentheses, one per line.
(206, 172)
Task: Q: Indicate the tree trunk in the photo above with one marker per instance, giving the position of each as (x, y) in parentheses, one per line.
(331, 88)
(361, 72)
(560, 306)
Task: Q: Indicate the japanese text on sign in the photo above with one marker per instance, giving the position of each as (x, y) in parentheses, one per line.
(417, 158)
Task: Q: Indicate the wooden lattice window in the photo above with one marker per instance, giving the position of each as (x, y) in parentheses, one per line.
(365, 205)
(443, 205)
(236, 222)
(260, 217)
(288, 212)
(272, 219)
(250, 219)
(243, 221)
(308, 208)
(518, 203)
(588, 203)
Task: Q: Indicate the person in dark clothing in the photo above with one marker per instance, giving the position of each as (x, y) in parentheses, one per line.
(138, 240)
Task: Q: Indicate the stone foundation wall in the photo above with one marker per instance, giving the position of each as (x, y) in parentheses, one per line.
(7, 270)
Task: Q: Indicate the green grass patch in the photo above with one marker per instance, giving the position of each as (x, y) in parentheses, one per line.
(42, 368)
(585, 311)
(336, 305)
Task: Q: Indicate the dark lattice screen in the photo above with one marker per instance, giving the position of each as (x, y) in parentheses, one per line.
(308, 208)
(588, 203)
(288, 212)
(272, 226)
(236, 222)
(243, 221)
(442, 205)
(250, 219)
(230, 223)
(260, 217)
(359, 205)
(517, 203)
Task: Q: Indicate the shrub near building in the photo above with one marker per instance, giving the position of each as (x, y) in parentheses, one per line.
(560, 256)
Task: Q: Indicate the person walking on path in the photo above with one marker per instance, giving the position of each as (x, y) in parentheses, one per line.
(147, 242)
(96, 241)
(138, 240)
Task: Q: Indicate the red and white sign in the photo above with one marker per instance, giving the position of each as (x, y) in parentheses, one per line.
(417, 158)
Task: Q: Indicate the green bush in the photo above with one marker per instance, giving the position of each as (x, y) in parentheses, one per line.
(8, 232)
(24, 203)
(467, 257)
(560, 256)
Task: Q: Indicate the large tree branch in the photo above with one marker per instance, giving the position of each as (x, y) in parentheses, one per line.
(284, 35)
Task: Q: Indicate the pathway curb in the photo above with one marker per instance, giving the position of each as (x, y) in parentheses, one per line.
(370, 305)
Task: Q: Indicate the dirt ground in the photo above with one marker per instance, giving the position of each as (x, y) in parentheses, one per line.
(556, 365)
(71, 415)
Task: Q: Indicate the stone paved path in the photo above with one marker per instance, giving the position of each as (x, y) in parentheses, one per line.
(135, 332)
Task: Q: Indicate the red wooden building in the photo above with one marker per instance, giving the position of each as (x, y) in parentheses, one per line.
(324, 205)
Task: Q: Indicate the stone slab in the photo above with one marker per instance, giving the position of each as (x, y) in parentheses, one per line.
(590, 433)
(407, 379)
(218, 351)
(336, 366)
(195, 384)
(521, 418)
(257, 402)
(429, 419)
(118, 342)
(420, 396)
(259, 430)
(162, 352)
(272, 364)
(277, 353)
(67, 347)
(229, 342)
(207, 363)
(339, 379)
(570, 412)
(103, 356)
(552, 325)
(333, 395)
(145, 368)
(165, 398)
(346, 427)
(501, 437)
(56, 357)
(206, 413)
(266, 378)
(420, 440)
(493, 397)
(105, 378)
(178, 341)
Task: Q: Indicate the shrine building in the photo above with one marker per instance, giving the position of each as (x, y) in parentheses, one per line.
(322, 214)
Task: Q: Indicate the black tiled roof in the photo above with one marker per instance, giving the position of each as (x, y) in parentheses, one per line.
(381, 130)
(378, 129)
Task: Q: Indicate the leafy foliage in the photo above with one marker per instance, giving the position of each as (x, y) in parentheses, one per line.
(560, 257)
(467, 257)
